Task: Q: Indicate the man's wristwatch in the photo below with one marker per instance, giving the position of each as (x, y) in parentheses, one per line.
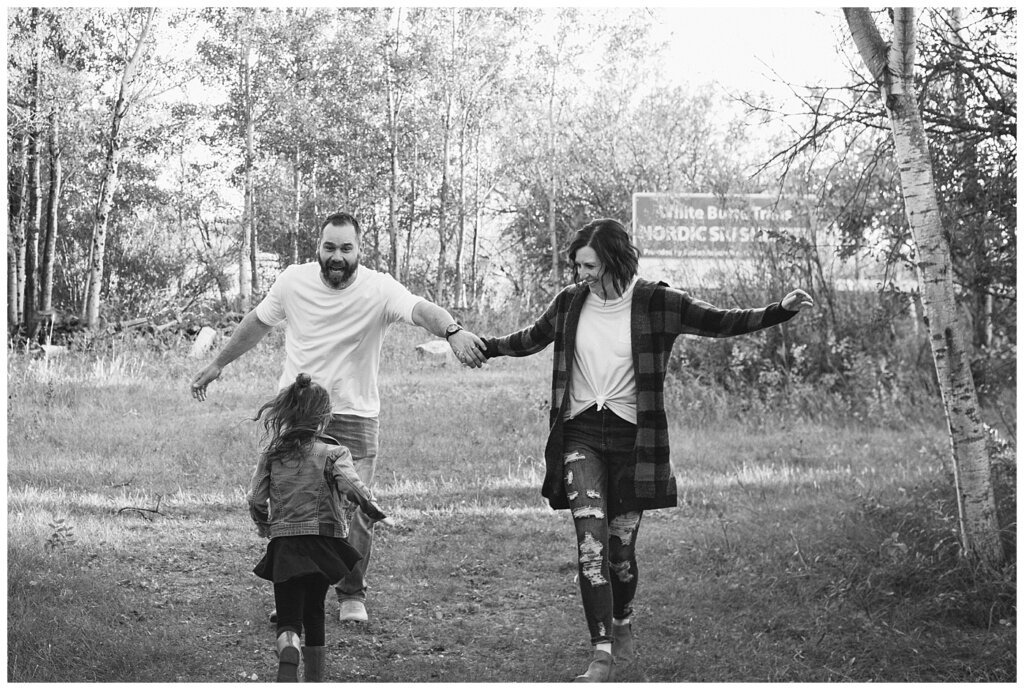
(452, 330)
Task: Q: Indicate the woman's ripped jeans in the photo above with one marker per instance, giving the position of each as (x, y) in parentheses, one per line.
(597, 447)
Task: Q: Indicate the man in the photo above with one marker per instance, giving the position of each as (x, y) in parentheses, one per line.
(337, 313)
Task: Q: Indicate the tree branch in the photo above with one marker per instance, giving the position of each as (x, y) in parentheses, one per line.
(869, 42)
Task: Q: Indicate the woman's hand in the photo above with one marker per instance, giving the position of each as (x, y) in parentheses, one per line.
(468, 348)
(797, 300)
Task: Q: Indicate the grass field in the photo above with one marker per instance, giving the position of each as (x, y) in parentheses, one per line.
(798, 552)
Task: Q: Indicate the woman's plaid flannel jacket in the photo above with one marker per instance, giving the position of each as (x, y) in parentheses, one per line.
(659, 315)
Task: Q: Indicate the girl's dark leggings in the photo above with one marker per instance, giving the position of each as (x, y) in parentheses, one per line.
(300, 604)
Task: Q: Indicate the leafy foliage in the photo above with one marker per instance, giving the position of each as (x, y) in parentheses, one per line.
(62, 536)
(546, 120)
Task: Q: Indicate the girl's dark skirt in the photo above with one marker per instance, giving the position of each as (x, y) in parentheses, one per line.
(308, 554)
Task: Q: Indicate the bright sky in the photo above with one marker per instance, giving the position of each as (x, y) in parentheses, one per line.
(742, 47)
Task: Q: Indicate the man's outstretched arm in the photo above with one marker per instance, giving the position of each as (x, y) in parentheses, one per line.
(249, 332)
(468, 348)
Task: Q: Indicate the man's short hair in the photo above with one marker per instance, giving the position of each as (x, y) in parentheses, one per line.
(341, 218)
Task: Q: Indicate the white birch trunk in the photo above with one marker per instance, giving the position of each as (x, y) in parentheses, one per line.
(33, 222)
(556, 274)
(297, 199)
(394, 98)
(893, 68)
(52, 215)
(109, 181)
(460, 239)
(245, 274)
(16, 244)
(442, 220)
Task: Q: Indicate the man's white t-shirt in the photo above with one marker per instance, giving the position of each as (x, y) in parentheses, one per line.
(335, 336)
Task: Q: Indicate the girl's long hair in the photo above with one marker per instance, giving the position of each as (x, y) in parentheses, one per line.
(610, 241)
(292, 419)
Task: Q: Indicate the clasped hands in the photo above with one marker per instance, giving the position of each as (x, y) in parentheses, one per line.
(468, 348)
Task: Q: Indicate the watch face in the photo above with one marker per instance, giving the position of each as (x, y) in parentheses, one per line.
(452, 330)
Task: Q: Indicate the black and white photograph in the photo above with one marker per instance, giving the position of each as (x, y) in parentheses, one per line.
(496, 344)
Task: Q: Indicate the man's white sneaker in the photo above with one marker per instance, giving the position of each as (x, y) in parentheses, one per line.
(352, 610)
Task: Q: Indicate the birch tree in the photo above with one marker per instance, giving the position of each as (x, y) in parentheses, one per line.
(484, 44)
(395, 95)
(108, 182)
(16, 237)
(554, 88)
(66, 52)
(247, 273)
(52, 214)
(891, 64)
(447, 97)
(33, 218)
(555, 64)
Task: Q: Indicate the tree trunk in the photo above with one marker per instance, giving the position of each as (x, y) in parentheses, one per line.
(893, 68)
(443, 215)
(245, 272)
(99, 230)
(109, 180)
(12, 285)
(460, 290)
(16, 243)
(314, 191)
(250, 183)
(412, 208)
(86, 286)
(296, 215)
(556, 274)
(446, 123)
(474, 288)
(375, 230)
(394, 110)
(393, 207)
(53, 213)
(33, 221)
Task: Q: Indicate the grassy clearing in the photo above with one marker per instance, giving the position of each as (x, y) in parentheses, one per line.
(799, 552)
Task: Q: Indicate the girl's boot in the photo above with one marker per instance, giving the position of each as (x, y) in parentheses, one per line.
(288, 655)
(313, 659)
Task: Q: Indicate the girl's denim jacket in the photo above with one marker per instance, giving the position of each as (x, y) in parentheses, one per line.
(306, 493)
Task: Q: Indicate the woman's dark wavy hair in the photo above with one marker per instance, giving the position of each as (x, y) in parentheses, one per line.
(291, 420)
(610, 241)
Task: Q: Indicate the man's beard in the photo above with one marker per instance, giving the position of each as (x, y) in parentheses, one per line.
(337, 273)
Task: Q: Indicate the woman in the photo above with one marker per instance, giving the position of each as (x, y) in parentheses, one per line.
(607, 453)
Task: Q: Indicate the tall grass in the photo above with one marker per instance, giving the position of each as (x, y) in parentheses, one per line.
(806, 547)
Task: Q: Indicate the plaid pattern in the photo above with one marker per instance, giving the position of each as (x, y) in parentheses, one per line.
(659, 315)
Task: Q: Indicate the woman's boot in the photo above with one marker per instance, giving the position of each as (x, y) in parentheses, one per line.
(313, 659)
(288, 655)
(622, 642)
(600, 669)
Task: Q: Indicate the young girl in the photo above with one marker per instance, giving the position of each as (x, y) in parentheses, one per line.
(303, 475)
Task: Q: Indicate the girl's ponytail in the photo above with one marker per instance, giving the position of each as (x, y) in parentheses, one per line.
(292, 419)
